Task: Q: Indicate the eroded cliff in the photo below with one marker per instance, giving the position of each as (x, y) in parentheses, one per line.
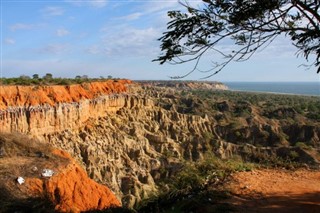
(36, 177)
(47, 109)
(135, 148)
(130, 141)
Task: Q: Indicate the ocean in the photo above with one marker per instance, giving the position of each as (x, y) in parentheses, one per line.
(300, 88)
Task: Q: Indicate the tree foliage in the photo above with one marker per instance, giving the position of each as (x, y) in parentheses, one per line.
(48, 79)
(249, 24)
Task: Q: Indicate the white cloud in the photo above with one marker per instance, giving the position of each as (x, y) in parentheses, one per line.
(9, 41)
(93, 50)
(158, 6)
(281, 47)
(54, 49)
(155, 11)
(20, 26)
(53, 11)
(91, 3)
(121, 39)
(130, 41)
(130, 17)
(62, 32)
(98, 3)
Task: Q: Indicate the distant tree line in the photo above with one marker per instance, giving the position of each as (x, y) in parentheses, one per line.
(48, 79)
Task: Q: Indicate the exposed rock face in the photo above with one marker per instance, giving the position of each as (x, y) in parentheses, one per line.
(47, 109)
(135, 148)
(207, 85)
(70, 190)
(111, 155)
(132, 141)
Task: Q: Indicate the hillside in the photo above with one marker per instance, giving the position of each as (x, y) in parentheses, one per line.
(134, 139)
(68, 189)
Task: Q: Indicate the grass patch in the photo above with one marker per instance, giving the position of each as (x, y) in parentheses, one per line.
(195, 187)
(20, 155)
(303, 145)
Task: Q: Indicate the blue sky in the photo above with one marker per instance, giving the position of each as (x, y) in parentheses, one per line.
(117, 38)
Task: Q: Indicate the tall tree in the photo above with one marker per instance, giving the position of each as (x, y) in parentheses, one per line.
(35, 76)
(48, 76)
(249, 24)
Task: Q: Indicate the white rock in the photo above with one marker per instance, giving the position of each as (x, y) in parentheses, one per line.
(47, 173)
(20, 180)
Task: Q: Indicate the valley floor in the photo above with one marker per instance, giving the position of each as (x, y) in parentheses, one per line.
(271, 190)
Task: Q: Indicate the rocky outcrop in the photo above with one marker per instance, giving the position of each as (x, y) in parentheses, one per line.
(186, 85)
(34, 176)
(24, 96)
(249, 152)
(135, 148)
(131, 141)
(303, 133)
(138, 146)
(47, 109)
(70, 190)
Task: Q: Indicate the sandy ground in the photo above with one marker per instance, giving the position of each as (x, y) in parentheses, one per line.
(272, 190)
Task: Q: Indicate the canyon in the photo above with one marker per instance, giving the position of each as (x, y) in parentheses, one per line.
(130, 136)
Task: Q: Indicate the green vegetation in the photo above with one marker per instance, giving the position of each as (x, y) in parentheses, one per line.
(48, 79)
(259, 119)
(303, 145)
(196, 186)
(239, 104)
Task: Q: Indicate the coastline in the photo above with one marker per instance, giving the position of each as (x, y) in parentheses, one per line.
(284, 88)
(274, 93)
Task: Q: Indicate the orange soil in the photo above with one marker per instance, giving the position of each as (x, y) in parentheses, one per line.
(38, 95)
(70, 190)
(276, 191)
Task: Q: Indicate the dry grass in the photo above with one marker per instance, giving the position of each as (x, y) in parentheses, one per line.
(26, 157)
(20, 145)
(20, 154)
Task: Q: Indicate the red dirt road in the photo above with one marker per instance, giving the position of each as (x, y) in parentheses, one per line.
(273, 191)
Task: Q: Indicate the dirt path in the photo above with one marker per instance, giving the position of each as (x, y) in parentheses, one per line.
(276, 191)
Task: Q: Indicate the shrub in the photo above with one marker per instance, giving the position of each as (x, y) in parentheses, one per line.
(293, 155)
(302, 145)
(191, 187)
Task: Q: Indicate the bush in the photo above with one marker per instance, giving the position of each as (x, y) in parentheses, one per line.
(47, 80)
(194, 187)
(302, 145)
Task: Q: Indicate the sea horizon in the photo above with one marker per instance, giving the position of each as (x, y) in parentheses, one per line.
(290, 88)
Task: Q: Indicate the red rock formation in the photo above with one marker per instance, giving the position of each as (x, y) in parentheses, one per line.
(47, 109)
(15, 96)
(70, 190)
